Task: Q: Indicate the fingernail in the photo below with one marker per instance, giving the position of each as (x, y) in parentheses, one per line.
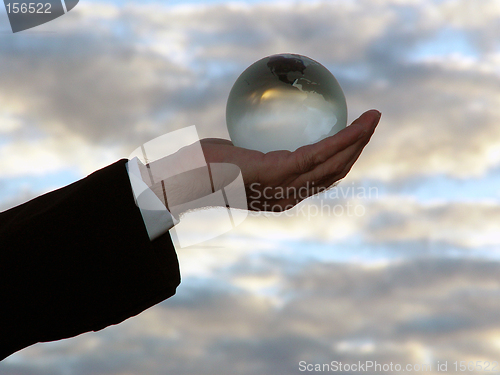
(377, 118)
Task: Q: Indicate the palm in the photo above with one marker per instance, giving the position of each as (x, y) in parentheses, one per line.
(278, 180)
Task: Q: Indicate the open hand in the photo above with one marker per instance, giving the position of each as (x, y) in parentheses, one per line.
(273, 180)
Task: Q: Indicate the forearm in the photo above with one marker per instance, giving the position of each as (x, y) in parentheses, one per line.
(79, 259)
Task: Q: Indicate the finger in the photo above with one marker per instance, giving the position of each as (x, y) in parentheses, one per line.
(216, 141)
(336, 164)
(368, 120)
(356, 155)
(308, 157)
(351, 154)
(331, 179)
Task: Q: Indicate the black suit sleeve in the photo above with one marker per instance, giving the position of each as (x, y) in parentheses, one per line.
(79, 259)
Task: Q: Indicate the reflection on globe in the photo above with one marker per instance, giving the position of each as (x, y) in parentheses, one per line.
(283, 102)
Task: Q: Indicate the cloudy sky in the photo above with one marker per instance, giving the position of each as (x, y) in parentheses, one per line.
(399, 264)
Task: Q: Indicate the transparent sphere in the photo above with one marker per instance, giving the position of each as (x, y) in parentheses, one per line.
(283, 102)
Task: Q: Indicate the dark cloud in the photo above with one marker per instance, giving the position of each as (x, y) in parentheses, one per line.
(447, 308)
(467, 225)
(143, 71)
(99, 88)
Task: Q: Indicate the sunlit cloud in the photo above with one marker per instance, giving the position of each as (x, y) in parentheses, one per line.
(156, 68)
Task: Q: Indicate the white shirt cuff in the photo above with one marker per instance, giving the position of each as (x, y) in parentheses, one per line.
(157, 218)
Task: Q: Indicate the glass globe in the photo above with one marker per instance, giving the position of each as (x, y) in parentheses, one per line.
(283, 102)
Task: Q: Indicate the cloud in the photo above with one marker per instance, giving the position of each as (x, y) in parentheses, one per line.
(409, 312)
(119, 76)
(469, 228)
(410, 288)
(464, 224)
